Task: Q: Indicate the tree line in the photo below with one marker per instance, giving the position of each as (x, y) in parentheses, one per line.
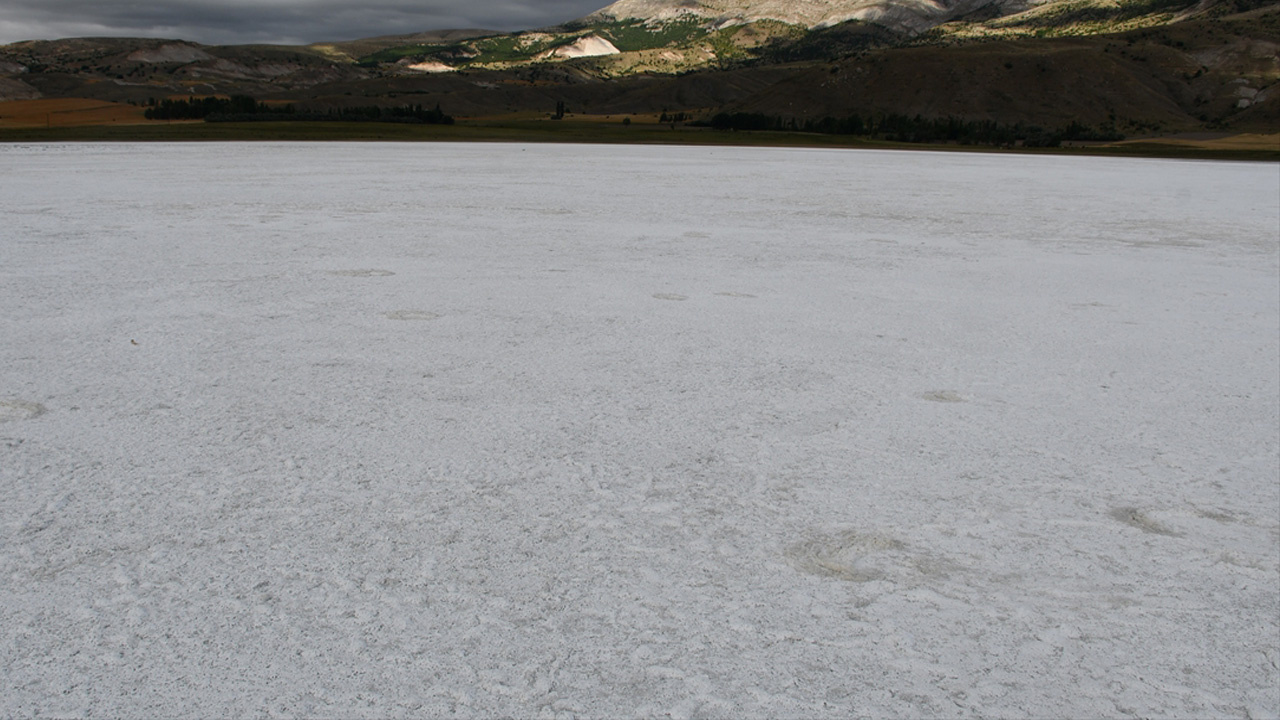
(896, 127)
(242, 108)
(194, 108)
(403, 114)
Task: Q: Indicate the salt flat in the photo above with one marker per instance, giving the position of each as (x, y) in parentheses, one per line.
(423, 430)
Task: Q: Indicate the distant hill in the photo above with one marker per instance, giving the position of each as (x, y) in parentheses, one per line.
(1136, 66)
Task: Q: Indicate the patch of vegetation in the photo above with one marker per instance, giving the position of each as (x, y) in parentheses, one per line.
(512, 48)
(405, 115)
(494, 49)
(636, 35)
(846, 38)
(195, 108)
(902, 128)
(242, 108)
(491, 49)
(1231, 7)
(627, 36)
(396, 54)
(725, 49)
(414, 114)
(1091, 13)
(752, 121)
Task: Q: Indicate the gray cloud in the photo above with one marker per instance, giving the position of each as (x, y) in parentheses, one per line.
(274, 21)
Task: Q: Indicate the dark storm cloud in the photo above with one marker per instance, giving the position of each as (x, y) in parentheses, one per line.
(274, 21)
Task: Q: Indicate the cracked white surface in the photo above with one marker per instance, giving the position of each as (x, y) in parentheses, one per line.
(388, 430)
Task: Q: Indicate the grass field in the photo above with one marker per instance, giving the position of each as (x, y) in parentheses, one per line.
(73, 120)
(1243, 142)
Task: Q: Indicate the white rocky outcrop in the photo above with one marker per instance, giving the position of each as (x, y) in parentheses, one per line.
(586, 46)
(430, 66)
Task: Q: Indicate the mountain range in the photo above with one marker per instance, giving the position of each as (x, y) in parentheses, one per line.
(1135, 66)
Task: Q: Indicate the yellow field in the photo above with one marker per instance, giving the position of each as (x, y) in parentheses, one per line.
(1243, 141)
(68, 112)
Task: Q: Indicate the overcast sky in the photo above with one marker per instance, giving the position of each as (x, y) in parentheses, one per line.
(223, 22)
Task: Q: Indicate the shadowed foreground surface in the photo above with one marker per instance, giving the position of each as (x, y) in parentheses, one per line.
(549, 430)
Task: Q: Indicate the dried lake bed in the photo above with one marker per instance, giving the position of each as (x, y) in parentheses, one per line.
(371, 430)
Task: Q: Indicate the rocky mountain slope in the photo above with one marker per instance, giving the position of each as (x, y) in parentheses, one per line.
(900, 15)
